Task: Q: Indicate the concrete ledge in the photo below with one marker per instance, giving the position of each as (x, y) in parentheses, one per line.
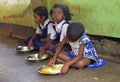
(107, 47)
(16, 30)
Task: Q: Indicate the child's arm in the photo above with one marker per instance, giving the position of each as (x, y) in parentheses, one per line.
(42, 48)
(31, 40)
(80, 55)
(58, 49)
(77, 58)
(47, 39)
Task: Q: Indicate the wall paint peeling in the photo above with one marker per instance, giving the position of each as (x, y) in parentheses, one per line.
(100, 17)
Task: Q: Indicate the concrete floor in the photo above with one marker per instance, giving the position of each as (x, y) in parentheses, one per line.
(14, 68)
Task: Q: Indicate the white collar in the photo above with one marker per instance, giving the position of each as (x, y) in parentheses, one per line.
(45, 23)
(59, 24)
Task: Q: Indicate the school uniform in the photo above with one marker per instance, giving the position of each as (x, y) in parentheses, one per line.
(89, 51)
(61, 30)
(45, 29)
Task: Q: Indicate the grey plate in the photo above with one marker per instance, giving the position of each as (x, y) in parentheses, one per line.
(50, 70)
(34, 57)
(23, 49)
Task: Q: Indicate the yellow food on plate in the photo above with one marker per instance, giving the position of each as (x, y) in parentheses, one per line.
(51, 69)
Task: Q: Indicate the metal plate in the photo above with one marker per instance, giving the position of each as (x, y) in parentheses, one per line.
(23, 49)
(50, 70)
(34, 57)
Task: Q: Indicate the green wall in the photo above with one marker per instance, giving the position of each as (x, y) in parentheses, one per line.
(16, 12)
(100, 17)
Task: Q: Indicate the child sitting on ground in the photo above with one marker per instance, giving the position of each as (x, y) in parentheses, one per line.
(83, 52)
(61, 16)
(45, 32)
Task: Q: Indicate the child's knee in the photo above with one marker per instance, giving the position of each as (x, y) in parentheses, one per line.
(81, 64)
(48, 52)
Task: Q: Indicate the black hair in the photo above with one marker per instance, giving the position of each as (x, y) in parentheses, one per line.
(65, 9)
(41, 11)
(75, 31)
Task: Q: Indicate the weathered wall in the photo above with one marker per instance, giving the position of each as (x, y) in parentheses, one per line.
(107, 47)
(100, 17)
(14, 30)
(19, 12)
(16, 12)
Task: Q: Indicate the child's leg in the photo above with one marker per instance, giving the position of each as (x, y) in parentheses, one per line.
(60, 61)
(35, 41)
(49, 52)
(63, 57)
(82, 63)
(27, 40)
(38, 44)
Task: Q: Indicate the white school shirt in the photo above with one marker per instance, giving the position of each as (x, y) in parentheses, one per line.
(63, 29)
(75, 46)
(50, 29)
(89, 50)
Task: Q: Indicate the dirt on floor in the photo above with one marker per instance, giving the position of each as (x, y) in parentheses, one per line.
(14, 67)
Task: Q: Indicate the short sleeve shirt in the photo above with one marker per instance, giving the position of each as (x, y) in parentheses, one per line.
(50, 29)
(89, 50)
(61, 28)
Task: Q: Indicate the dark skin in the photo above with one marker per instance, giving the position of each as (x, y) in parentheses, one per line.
(37, 20)
(40, 20)
(78, 62)
(48, 41)
(61, 44)
(42, 48)
(58, 15)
